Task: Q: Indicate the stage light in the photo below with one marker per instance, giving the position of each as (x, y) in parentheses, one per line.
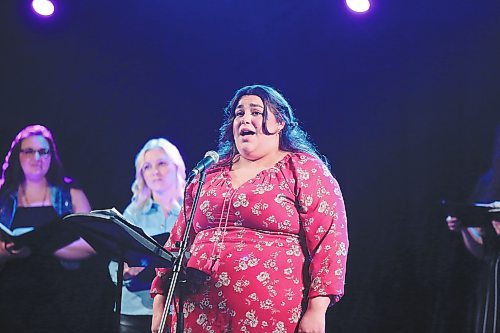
(358, 6)
(43, 7)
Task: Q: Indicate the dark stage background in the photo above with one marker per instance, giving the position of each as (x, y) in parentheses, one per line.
(403, 100)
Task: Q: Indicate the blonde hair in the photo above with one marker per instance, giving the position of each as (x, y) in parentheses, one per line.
(141, 192)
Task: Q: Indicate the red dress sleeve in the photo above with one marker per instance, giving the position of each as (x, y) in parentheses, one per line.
(324, 221)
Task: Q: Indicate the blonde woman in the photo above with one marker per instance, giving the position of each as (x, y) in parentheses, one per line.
(156, 201)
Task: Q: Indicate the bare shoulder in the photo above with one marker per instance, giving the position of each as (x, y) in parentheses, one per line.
(80, 201)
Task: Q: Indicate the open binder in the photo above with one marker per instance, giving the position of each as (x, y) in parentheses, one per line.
(472, 215)
(46, 238)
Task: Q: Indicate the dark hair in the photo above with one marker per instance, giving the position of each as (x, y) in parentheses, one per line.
(12, 173)
(292, 138)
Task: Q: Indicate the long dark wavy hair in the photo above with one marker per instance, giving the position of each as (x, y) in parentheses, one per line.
(292, 138)
(12, 173)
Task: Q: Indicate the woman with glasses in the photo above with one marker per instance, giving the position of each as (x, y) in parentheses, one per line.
(41, 292)
(157, 193)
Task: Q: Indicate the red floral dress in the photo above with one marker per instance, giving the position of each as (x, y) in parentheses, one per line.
(267, 246)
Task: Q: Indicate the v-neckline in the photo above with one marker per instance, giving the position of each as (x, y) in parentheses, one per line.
(257, 175)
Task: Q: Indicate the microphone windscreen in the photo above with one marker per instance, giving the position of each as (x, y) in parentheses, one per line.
(213, 155)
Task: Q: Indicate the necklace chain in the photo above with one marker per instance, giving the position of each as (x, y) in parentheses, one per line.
(27, 202)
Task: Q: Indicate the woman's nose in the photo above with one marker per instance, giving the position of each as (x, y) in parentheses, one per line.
(245, 119)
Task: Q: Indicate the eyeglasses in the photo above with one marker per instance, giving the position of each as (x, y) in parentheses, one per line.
(32, 152)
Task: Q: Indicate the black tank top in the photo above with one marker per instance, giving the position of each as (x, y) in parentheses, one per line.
(38, 266)
(33, 216)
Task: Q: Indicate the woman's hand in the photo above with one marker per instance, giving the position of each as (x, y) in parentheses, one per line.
(131, 272)
(454, 223)
(313, 320)
(496, 225)
(8, 251)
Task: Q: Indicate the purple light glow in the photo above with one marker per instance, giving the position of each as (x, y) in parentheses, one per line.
(358, 6)
(43, 7)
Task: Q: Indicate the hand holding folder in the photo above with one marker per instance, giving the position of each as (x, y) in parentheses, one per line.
(472, 215)
(47, 238)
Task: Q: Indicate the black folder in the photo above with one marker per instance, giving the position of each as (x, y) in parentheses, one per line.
(46, 238)
(471, 215)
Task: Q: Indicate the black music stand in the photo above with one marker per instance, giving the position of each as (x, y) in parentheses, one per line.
(471, 215)
(112, 236)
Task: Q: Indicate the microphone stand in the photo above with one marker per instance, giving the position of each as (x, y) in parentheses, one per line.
(118, 300)
(178, 264)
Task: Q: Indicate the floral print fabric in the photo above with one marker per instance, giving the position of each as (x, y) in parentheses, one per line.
(266, 247)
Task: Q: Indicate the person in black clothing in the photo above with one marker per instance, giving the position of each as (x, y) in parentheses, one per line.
(484, 243)
(46, 290)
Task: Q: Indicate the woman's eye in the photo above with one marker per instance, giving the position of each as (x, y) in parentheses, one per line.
(256, 113)
(240, 113)
(146, 167)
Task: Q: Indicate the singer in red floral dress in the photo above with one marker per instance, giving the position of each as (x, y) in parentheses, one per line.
(270, 229)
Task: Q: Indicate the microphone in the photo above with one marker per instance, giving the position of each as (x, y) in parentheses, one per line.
(210, 158)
